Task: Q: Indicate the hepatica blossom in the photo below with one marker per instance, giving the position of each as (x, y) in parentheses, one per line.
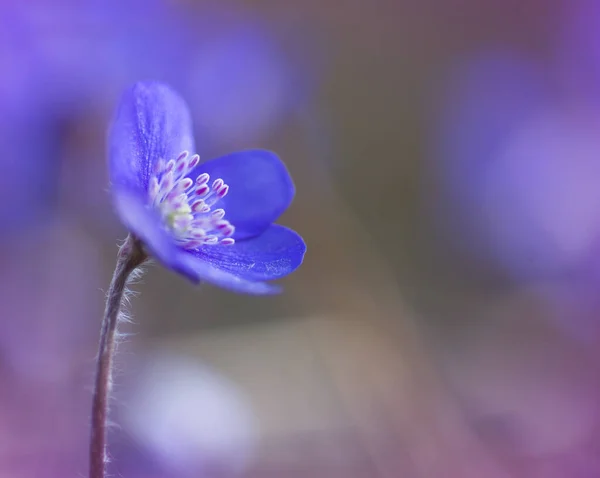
(209, 221)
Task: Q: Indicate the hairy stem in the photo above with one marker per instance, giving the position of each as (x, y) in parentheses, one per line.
(131, 255)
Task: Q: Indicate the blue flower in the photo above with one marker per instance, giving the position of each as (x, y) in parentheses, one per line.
(210, 221)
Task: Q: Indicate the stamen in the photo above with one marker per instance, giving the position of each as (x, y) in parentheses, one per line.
(185, 205)
(166, 183)
(202, 190)
(222, 192)
(199, 233)
(179, 201)
(181, 163)
(210, 240)
(218, 213)
(198, 205)
(194, 162)
(185, 184)
(182, 156)
(159, 167)
(217, 184)
(228, 230)
(202, 179)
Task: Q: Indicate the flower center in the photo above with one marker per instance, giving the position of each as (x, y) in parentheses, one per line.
(187, 206)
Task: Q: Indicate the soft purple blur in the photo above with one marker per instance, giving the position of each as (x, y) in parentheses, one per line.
(446, 320)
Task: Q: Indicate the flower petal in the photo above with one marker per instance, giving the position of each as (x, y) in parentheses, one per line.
(199, 270)
(260, 189)
(146, 225)
(152, 122)
(275, 253)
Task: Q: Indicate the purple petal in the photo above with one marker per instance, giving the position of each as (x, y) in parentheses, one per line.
(275, 253)
(260, 189)
(198, 269)
(152, 122)
(147, 226)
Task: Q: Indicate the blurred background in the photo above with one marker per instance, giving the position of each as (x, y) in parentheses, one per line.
(446, 320)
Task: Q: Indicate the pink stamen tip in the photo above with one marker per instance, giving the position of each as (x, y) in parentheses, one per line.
(202, 179)
(194, 161)
(223, 191)
(211, 240)
(217, 184)
(197, 205)
(202, 190)
(182, 155)
(228, 231)
(166, 182)
(169, 167)
(186, 183)
(218, 213)
(228, 241)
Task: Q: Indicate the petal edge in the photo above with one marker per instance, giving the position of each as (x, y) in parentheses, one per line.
(277, 252)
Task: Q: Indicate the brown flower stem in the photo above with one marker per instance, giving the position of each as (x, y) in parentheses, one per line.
(130, 256)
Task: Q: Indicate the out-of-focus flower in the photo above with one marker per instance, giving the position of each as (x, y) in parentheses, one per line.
(170, 205)
(228, 63)
(518, 172)
(519, 185)
(187, 417)
(541, 195)
(29, 179)
(61, 63)
(239, 82)
(83, 52)
(65, 62)
(578, 52)
(41, 337)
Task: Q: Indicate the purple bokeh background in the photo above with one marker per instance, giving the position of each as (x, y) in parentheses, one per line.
(447, 162)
